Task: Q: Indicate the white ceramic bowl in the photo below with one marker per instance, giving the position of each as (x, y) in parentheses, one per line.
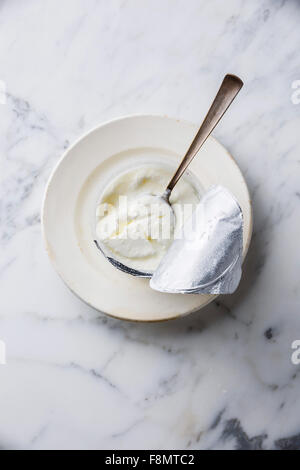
(74, 188)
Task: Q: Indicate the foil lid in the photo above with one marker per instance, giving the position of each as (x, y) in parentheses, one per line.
(206, 258)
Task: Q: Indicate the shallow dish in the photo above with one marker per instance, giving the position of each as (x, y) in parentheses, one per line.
(74, 188)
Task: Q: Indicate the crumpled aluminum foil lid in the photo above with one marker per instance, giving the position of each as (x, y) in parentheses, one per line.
(207, 257)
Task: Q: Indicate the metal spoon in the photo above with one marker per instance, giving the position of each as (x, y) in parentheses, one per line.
(228, 90)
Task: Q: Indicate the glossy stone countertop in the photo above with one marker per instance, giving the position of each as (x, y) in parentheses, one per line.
(218, 379)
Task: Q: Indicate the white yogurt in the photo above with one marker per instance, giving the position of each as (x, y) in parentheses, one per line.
(134, 224)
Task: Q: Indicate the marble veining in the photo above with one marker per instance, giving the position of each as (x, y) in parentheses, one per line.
(221, 378)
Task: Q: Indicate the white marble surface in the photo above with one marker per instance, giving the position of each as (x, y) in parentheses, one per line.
(221, 378)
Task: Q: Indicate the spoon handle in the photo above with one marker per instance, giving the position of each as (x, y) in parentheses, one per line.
(229, 88)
